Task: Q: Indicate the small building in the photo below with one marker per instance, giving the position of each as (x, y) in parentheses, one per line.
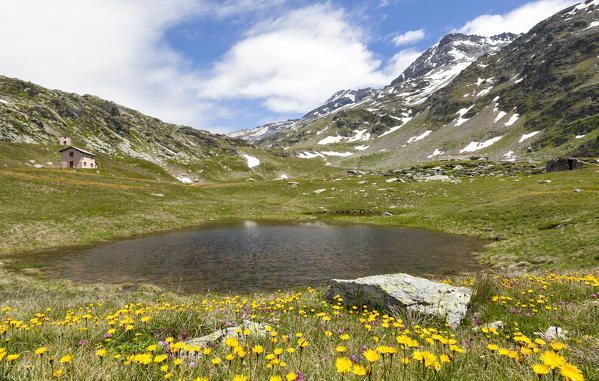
(65, 140)
(73, 157)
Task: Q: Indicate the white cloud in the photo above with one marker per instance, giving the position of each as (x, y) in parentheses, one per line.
(408, 37)
(113, 49)
(520, 20)
(117, 50)
(400, 61)
(296, 61)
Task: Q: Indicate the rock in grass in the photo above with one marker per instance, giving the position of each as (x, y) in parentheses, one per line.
(403, 290)
(257, 329)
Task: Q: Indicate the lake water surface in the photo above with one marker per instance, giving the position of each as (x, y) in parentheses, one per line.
(262, 256)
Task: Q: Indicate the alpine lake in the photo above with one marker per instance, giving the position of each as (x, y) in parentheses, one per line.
(256, 256)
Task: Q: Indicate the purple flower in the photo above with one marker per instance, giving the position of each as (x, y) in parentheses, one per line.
(107, 335)
(478, 322)
(82, 342)
(364, 348)
(353, 358)
(325, 358)
(299, 376)
(594, 296)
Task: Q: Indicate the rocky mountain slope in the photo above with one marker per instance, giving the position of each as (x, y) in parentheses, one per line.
(431, 71)
(532, 99)
(32, 114)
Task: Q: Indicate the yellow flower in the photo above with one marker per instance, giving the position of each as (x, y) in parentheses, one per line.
(241, 354)
(57, 373)
(178, 361)
(129, 327)
(552, 359)
(444, 359)
(65, 359)
(290, 376)
(558, 346)
(12, 357)
(278, 351)
(343, 365)
(201, 379)
(290, 350)
(168, 375)
(503, 351)
(229, 357)
(240, 378)
(215, 361)
(492, 347)
(275, 378)
(232, 342)
(101, 352)
(340, 349)
(206, 351)
(344, 337)
(160, 358)
(164, 368)
(571, 372)
(371, 355)
(359, 370)
(152, 348)
(540, 369)
(40, 351)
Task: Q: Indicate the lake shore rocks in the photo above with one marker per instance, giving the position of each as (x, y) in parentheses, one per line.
(406, 291)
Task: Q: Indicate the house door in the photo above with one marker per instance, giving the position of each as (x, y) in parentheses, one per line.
(70, 164)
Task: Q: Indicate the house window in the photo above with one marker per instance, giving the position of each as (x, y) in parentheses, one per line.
(71, 153)
(84, 164)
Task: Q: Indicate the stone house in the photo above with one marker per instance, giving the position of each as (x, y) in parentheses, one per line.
(73, 157)
(65, 141)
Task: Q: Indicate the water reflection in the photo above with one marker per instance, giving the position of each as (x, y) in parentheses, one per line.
(251, 256)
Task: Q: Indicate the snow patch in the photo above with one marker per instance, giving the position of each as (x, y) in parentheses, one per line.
(579, 136)
(283, 176)
(484, 92)
(437, 152)
(513, 119)
(330, 139)
(252, 161)
(527, 136)
(475, 146)
(3, 101)
(593, 24)
(321, 131)
(500, 115)
(333, 153)
(184, 180)
(391, 180)
(361, 148)
(360, 135)
(461, 113)
(419, 137)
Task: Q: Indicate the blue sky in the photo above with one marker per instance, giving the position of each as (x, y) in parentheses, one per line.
(232, 64)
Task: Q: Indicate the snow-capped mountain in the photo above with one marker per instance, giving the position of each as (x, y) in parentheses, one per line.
(255, 135)
(441, 63)
(433, 70)
(340, 99)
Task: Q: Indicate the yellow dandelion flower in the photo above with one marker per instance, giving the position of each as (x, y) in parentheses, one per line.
(65, 359)
(240, 378)
(371, 355)
(358, 370)
(552, 359)
(571, 372)
(540, 369)
(343, 365)
(40, 351)
(57, 373)
(290, 376)
(12, 357)
(340, 349)
(275, 378)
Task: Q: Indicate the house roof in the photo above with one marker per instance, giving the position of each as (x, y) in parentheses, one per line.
(78, 149)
